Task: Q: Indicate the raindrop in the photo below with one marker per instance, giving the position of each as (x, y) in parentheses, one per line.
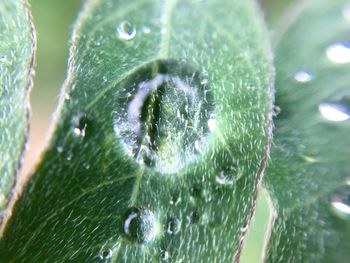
(339, 53)
(193, 217)
(175, 200)
(146, 30)
(336, 109)
(303, 76)
(276, 110)
(105, 254)
(81, 125)
(164, 255)
(228, 176)
(140, 225)
(126, 30)
(59, 149)
(212, 123)
(174, 226)
(195, 191)
(165, 115)
(340, 201)
(346, 12)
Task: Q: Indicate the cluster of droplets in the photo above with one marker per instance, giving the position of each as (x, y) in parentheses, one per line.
(336, 108)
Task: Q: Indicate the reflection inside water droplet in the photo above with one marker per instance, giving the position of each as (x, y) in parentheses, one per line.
(336, 109)
(341, 201)
(303, 76)
(126, 30)
(140, 225)
(339, 53)
(165, 117)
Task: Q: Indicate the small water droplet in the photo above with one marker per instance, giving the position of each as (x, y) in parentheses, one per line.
(175, 200)
(174, 226)
(69, 156)
(339, 53)
(212, 123)
(228, 176)
(165, 255)
(126, 30)
(81, 125)
(303, 76)
(204, 82)
(105, 254)
(341, 201)
(86, 166)
(336, 109)
(244, 229)
(346, 12)
(195, 191)
(164, 116)
(59, 149)
(276, 110)
(146, 30)
(140, 225)
(193, 217)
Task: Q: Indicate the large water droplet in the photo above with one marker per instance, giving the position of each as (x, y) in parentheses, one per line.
(303, 76)
(82, 125)
(140, 225)
(165, 115)
(341, 201)
(174, 226)
(126, 30)
(339, 53)
(337, 109)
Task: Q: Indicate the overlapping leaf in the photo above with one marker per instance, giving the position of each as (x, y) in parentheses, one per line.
(308, 178)
(16, 65)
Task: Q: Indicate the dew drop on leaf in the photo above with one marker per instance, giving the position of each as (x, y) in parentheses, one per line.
(336, 109)
(303, 76)
(228, 176)
(165, 116)
(339, 53)
(82, 125)
(346, 12)
(174, 226)
(165, 256)
(193, 217)
(105, 254)
(146, 30)
(175, 199)
(140, 225)
(340, 201)
(126, 30)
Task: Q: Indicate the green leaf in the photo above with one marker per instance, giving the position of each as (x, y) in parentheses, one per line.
(16, 70)
(308, 178)
(163, 135)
